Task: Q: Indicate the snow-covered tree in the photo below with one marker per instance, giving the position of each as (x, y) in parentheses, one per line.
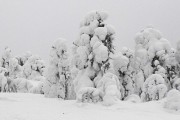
(34, 67)
(123, 66)
(14, 68)
(4, 61)
(58, 72)
(92, 51)
(154, 88)
(3, 79)
(151, 55)
(23, 58)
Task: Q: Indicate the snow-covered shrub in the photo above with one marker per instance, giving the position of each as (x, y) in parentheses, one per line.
(176, 84)
(14, 68)
(22, 59)
(11, 85)
(36, 87)
(22, 85)
(122, 65)
(4, 61)
(3, 79)
(154, 88)
(172, 100)
(58, 72)
(133, 98)
(92, 50)
(33, 67)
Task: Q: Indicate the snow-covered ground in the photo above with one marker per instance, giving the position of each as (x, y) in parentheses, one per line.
(26, 106)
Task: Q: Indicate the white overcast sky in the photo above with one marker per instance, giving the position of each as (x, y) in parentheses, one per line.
(32, 25)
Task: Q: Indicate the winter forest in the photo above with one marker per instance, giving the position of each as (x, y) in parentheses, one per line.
(94, 72)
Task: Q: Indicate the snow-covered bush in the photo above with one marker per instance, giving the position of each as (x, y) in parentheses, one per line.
(34, 67)
(22, 85)
(58, 72)
(22, 59)
(176, 84)
(3, 79)
(154, 88)
(133, 98)
(11, 85)
(14, 68)
(4, 61)
(172, 100)
(92, 51)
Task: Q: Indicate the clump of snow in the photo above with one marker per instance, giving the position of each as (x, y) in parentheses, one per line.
(101, 32)
(120, 62)
(173, 100)
(101, 53)
(133, 98)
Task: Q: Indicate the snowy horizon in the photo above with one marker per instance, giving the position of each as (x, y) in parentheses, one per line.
(34, 25)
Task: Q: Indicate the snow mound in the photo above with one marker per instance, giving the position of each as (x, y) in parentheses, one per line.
(133, 98)
(173, 100)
